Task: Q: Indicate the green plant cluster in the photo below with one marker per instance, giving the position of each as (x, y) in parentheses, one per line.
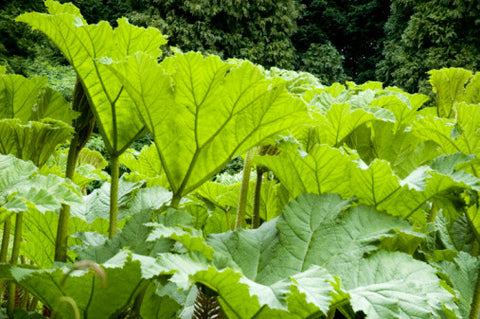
(360, 200)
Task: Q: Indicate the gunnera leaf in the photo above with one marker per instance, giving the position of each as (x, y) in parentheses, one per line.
(291, 267)
(83, 45)
(205, 111)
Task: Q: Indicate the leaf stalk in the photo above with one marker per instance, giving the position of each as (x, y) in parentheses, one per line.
(114, 170)
(83, 129)
(17, 239)
(257, 198)
(61, 240)
(475, 305)
(242, 201)
(5, 239)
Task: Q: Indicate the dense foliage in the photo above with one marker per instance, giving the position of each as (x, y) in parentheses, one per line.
(392, 41)
(425, 35)
(258, 31)
(361, 200)
(354, 28)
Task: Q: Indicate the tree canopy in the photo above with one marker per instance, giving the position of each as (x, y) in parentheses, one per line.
(424, 35)
(394, 41)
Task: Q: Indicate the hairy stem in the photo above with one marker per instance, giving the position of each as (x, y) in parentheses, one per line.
(32, 305)
(113, 227)
(83, 130)
(257, 198)
(11, 299)
(137, 303)
(227, 213)
(242, 201)
(17, 239)
(62, 234)
(7, 226)
(475, 305)
(331, 313)
(64, 217)
(432, 214)
(175, 201)
(475, 248)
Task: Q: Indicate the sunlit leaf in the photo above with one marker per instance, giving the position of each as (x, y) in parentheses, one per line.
(205, 111)
(124, 276)
(83, 45)
(323, 170)
(449, 86)
(462, 274)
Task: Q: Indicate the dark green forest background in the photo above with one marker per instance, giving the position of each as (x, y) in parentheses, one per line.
(393, 41)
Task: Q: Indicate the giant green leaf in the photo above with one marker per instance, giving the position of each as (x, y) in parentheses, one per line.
(377, 185)
(472, 95)
(455, 236)
(452, 136)
(336, 90)
(303, 230)
(413, 102)
(97, 204)
(158, 306)
(438, 130)
(30, 100)
(22, 191)
(435, 182)
(205, 112)
(402, 149)
(190, 238)
(226, 197)
(336, 118)
(323, 170)
(285, 268)
(241, 297)
(14, 170)
(219, 221)
(141, 206)
(83, 45)
(51, 188)
(34, 141)
(462, 274)
(410, 196)
(33, 119)
(18, 95)
(296, 82)
(144, 165)
(314, 231)
(393, 285)
(146, 162)
(468, 123)
(376, 182)
(450, 86)
(326, 169)
(125, 275)
(339, 121)
(90, 165)
(51, 104)
(404, 115)
(39, 233)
